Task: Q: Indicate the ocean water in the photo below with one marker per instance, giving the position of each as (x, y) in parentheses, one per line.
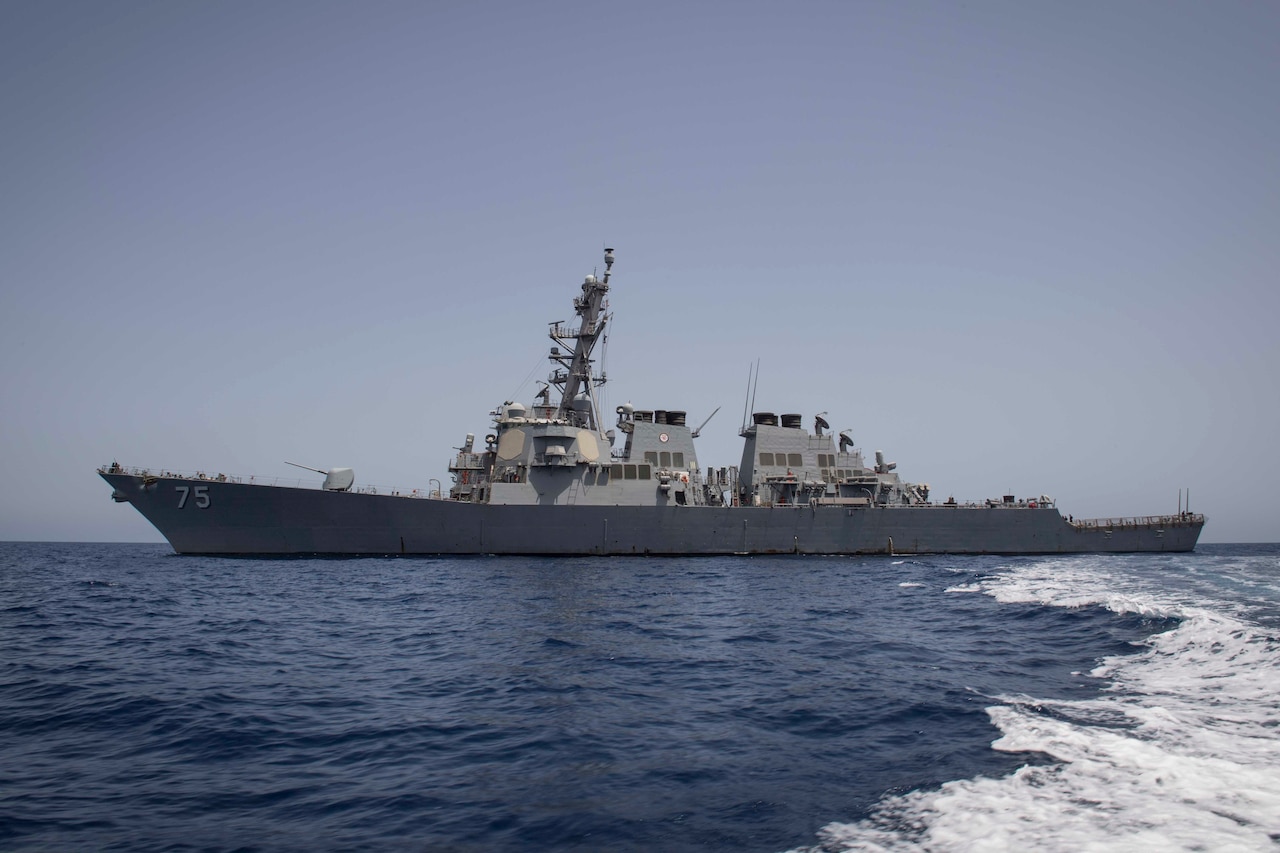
(156, 702)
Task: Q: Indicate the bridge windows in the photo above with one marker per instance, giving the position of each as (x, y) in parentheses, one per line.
(664, 459)
(792, 460)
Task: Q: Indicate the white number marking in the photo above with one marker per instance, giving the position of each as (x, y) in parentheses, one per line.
(201, 495)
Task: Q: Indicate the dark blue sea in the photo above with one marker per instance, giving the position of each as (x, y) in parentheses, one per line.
(156, 702)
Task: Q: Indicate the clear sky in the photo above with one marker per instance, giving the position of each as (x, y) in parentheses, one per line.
(1021, 246)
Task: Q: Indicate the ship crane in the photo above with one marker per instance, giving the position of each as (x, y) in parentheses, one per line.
(697, 431)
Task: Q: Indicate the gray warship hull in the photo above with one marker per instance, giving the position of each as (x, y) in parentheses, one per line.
(551, 479)
(201, 516)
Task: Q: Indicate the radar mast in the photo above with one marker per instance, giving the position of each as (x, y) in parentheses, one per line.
(573, 376)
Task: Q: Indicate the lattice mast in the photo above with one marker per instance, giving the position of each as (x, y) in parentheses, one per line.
(572, 376)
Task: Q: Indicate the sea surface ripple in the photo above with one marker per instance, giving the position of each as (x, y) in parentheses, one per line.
(156, 702)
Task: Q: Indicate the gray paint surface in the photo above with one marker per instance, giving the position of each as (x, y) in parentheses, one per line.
(549, 481)
(254, 519)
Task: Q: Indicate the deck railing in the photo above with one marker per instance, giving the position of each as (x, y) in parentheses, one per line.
(253, 480)
(1179, 519)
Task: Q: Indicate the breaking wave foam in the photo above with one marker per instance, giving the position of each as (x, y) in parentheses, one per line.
(1180, 752)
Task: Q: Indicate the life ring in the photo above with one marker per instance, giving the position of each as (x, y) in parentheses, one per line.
(684, 478)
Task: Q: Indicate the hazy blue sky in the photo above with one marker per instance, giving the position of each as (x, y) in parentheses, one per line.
(1017, 246)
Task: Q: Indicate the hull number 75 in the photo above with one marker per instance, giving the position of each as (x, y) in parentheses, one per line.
(198, 494)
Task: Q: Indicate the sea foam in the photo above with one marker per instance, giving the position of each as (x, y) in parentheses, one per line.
(1180, 752)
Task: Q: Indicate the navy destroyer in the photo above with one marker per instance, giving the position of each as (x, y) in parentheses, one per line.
(554, 478)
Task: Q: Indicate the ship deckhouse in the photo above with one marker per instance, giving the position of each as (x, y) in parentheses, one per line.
(784, 464)
(557, 452)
